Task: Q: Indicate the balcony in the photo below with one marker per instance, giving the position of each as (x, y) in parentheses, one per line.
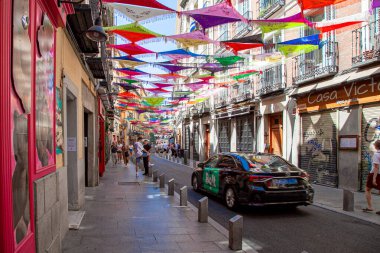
(317, 64)
(222, 101)
(241, 29)
(243, 92)
(271, 81)
(366, 44)
(268, 7)
(222, 37)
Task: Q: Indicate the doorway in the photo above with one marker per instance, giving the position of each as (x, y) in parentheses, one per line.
(275, 134)
(207, 142)
(85, 146)
(72, 153)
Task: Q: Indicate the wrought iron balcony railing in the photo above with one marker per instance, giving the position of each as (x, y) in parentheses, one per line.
(222, 37)
(242, 28)
(366, 44)
(271, 80)
(267, 8)
(222, 102)
(316, 64)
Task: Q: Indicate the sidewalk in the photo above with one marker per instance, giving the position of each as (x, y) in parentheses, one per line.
(332, 199)
(129, 214)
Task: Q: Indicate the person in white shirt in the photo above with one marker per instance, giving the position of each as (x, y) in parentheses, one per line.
(139, 149)
(373, 179)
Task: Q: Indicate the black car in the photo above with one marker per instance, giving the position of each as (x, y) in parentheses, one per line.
(256, 179)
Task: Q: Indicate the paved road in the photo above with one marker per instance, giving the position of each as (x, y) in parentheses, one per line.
(280, 230)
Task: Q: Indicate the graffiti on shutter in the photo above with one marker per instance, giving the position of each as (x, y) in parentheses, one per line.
(224, 135)
(244, 133)
(318, 152)
(370, 133)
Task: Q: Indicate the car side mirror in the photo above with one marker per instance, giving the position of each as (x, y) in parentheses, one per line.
(201, 165)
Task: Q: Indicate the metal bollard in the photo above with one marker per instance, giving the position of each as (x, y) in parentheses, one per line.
(203, 210)
(183, 196)
(162, 180)
(171, 187)
(235, 237)
(155, 175)
(348, 200)
(150, 171)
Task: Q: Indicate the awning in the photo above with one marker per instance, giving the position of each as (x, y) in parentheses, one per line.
(79, 23)
(338, 80)
(365, 74)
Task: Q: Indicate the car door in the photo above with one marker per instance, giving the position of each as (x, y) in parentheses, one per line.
(210, 176)
(227, 171)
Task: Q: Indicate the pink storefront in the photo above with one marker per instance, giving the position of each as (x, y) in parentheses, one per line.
(27, 113)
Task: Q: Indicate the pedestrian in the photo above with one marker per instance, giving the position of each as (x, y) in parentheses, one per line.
(120, 152)
(177, 149)
(139, 149)
(126, 154)
(373, 179)
(146, 156)
(114, 152)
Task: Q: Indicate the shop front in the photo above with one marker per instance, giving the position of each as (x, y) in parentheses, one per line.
(337, 129)
(28, 122)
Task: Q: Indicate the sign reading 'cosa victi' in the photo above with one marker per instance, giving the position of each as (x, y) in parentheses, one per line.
(341, 96)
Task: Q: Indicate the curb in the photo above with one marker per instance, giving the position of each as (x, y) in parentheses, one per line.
(350, 214)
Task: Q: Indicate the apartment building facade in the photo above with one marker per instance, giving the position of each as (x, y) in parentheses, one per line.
(318, 110)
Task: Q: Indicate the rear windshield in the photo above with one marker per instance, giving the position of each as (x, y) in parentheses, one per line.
(269, 164)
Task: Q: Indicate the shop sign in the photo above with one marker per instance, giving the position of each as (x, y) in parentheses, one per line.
(352, 94)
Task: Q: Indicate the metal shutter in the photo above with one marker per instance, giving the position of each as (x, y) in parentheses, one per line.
(224, 135)
(318, 152)
(244, 133)
(196, 143)
(187, 137)
(370, 133)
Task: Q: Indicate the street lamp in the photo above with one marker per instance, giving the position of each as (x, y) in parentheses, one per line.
(96, 32)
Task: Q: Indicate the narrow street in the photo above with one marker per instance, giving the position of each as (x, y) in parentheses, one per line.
(305, 229)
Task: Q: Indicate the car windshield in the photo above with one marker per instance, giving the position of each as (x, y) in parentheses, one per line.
(269, 164)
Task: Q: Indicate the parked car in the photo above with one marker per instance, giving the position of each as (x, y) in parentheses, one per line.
(256, 179)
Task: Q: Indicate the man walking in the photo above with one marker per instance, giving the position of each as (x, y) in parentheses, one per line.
(139, 149)
(146, 156)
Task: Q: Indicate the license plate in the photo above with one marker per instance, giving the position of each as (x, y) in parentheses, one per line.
(283, 182)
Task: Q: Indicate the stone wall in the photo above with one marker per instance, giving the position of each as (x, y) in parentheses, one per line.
(48, 213)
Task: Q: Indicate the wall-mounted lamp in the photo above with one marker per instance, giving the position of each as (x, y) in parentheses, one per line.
(59, 2)
(96, 32)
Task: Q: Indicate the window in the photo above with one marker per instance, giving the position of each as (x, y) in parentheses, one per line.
(269, 164)
(212, 162)
(227, 162)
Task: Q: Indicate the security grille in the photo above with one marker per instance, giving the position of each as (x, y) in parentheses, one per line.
(196, 143)
(224, 136)
(187, 137)
(370, 134)
(319, 147)
(244, 133)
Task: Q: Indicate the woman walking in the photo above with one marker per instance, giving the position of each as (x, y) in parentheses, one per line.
(373, 179)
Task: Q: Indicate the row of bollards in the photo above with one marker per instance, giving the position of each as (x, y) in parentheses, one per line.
(235, 230)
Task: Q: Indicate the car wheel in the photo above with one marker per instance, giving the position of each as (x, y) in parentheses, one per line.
(195, 183)
(230, 198)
